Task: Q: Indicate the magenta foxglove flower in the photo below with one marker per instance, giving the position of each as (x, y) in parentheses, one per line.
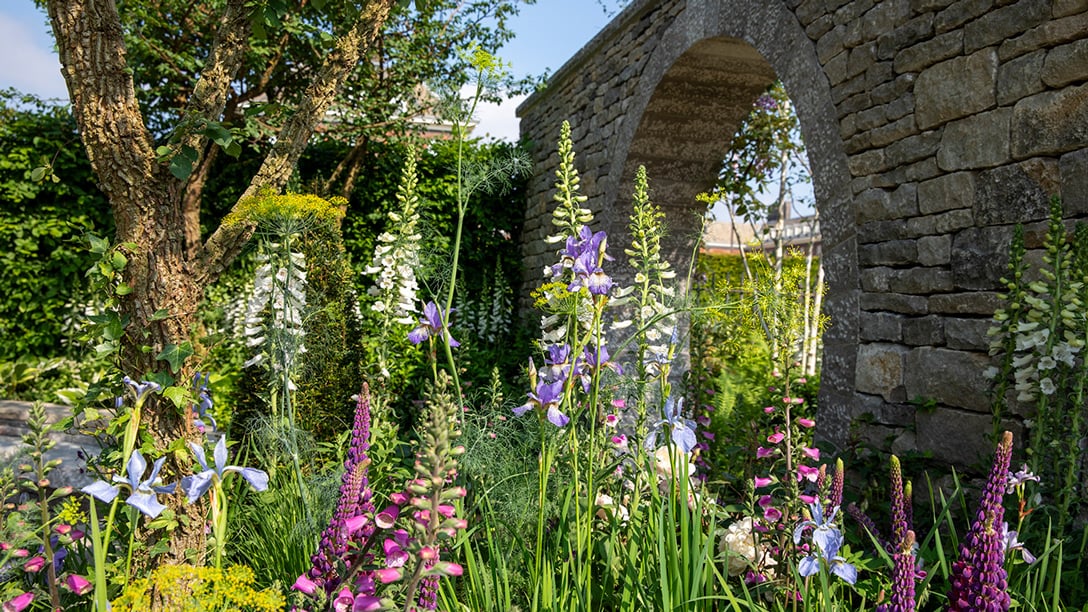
(18, 604)
(78, 584)
(35, 564)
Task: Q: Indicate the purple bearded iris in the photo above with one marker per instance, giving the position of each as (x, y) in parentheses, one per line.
(591, 363)
(431, 325)
(547, 397)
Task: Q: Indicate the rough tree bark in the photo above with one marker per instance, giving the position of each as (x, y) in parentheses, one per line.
(169, 267)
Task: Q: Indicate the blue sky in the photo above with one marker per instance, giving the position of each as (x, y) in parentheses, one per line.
(548, 33)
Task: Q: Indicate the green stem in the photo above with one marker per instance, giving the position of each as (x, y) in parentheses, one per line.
(132, 519)
(101, 596)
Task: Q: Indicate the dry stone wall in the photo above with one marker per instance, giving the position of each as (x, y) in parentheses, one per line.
(933, 127)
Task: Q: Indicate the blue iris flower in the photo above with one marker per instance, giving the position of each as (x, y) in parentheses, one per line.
(682, 429)
(197, 484)
(143, 492)
(828, 540)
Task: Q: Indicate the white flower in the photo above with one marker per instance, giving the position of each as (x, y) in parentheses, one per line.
(990, 373)
(1046, 363)
(1047, 386)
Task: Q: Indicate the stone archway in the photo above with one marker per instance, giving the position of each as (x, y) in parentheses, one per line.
(932, 126)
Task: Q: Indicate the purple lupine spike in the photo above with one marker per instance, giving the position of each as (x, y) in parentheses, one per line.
(428, 590)
(355, 501)
(979, 581)
(837, 480)
(867, 524)
(903, 576)
(899, 506)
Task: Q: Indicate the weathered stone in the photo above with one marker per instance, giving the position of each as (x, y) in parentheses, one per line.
(1016, 193)
(891, 253)
(1006, 22)
(892, 132)
(830, 44)
(923, 331)
(955, 437)
(866, 163)
(967, 334)
(959, 13)
(880, 371)
(1019, 78)
(916, 30)
(1063, 8)
(955, 88)
(901, 107)
(1074, 172)
(902, 85)
(979, 141)
(1066, 64)
(940, 223)
(929, 52)
(820, 26)
(880, 326)
(976, 302)
(935, 250)
(836, 68)
(1049, 34)
(952, 378)
(861, 60)
(948, 192)
(871, 118)
(980, 255)
(916, 281)
(1050, 122)
(883, 413)
(870, 205)
(894, 302)
(913, 148)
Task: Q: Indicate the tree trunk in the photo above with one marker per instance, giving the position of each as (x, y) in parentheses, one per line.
(154, 214)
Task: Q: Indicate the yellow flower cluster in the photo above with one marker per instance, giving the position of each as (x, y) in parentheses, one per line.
(184, 588)
(269, 206)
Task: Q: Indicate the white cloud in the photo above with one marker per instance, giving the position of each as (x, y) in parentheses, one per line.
(498, 121)
(30, 64)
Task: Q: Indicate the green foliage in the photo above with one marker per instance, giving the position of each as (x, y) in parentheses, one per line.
(48, 201)
(767, 145)
(1039, 340)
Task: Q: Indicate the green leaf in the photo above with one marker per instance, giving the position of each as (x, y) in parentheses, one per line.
(118, 261)
(218, 134)
(98, 245)
(234, 149)
(163, 152)
(178, 395)
(162, 378)
(176, 354)
(181, 166)
(123, 289)
(38, 174)
(160, 314)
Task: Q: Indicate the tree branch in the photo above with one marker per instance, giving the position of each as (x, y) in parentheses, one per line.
(227, 241)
